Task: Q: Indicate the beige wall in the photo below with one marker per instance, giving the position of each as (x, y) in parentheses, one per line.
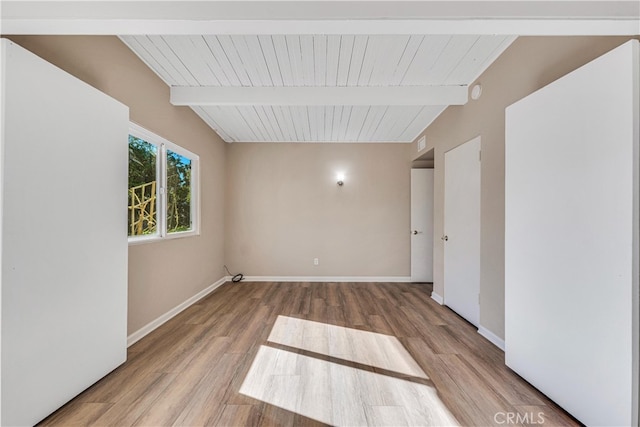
(163, 274)
(527, 65)
(284, 208)
(282, 205)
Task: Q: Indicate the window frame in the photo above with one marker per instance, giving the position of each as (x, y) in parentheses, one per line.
(162, 145)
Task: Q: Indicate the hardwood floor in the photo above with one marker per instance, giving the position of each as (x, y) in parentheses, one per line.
(312, 354)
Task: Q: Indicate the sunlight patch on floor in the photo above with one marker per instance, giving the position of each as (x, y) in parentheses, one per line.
(336, 394)
(368, 348)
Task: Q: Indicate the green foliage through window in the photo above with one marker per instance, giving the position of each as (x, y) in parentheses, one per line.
(142, 187)
(178, 192)
(161, 186)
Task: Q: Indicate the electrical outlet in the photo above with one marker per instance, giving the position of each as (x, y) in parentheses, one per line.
(316, 261)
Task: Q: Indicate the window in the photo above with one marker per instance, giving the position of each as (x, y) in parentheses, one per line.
(163, 188)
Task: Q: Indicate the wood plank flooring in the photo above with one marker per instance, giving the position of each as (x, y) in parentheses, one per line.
(291, 354)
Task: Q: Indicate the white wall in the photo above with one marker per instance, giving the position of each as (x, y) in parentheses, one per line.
(64, 241)
(571, 239)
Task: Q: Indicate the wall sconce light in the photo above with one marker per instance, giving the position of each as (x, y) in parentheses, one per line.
(340, 178)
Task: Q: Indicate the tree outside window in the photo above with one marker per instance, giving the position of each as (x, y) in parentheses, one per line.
(178, 192)
(142, 187)
(163, 183)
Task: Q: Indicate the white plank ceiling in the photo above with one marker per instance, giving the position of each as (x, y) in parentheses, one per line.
(318, 61)
(320, 70)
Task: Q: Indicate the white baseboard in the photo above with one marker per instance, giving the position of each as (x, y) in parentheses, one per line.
(493, 338)
(149, 327)
(325, 279)
(437, 298)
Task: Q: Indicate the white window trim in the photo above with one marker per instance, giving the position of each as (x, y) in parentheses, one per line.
(161, 177)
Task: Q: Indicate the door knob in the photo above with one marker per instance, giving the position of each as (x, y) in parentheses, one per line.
(445, 238)
(415, 231)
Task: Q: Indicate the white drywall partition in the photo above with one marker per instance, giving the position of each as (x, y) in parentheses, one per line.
(571, 267)
(64, 243)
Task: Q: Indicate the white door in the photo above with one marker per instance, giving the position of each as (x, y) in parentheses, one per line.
(462, 230)
(422, 225)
